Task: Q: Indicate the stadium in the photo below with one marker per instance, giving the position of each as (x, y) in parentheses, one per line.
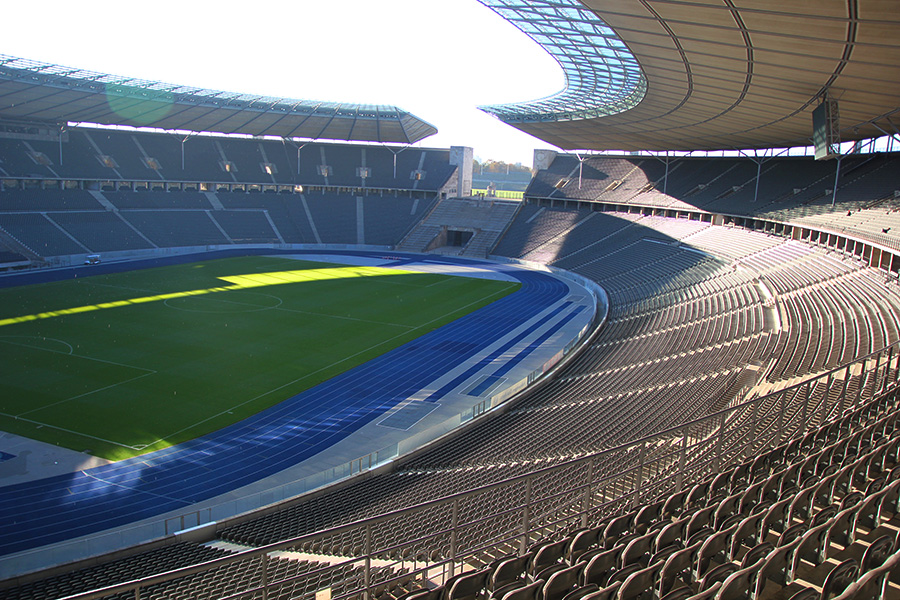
(258, 347)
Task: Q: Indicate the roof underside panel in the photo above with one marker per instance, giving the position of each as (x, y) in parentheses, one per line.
(34, 91)
(742, 73)
(602, 76)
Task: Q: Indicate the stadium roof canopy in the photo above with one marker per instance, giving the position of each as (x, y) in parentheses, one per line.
(41, 92)
(709, 74)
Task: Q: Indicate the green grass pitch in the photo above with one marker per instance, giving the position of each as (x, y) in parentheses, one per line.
(118, 365)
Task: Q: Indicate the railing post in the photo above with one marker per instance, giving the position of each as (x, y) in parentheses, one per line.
(751, 433)
(526, 517)
(843, 399)
(639, 478)
(875, 376)
(862, 383)
(265, 576)
(887, 370)
(586, 500)
(367, 567)
(826, 399)
(804, 413)
(780, 430)
(896, 372)
(682, 463)
(454, 537)
(720, 445)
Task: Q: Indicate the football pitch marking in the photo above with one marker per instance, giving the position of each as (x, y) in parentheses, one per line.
(334, 364)
(251, 307)
(438, 282)
(71, 353)
(346, 318)
(79, 433)
(87, 281)
(6, 339)
(21, 417)
(107, 387)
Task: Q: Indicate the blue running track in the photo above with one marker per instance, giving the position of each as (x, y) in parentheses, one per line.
(63, 507)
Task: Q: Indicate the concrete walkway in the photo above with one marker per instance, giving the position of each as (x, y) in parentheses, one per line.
(25, 459)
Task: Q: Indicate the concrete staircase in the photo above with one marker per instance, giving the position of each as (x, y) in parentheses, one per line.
(487, 219)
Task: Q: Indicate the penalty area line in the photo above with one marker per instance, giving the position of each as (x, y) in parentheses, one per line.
(101, 360)
(79, 433)
(108, 387)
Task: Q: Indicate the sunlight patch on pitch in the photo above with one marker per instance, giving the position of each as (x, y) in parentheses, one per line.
(238, 282)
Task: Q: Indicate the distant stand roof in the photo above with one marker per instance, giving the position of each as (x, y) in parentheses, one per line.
(43, 92)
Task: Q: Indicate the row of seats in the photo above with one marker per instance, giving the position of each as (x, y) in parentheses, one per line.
(747, 531)
(147, 563)
(789, 189)
(266, 219)
(109, 155)
(292, 577)
(775, 482)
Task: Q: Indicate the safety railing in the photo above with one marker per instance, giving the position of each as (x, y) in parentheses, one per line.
(437, 539)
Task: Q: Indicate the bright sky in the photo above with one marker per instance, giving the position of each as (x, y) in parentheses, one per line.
(437, 59)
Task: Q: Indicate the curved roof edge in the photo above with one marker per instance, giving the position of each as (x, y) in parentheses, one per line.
(38, 91)
(732, 75)
(602, 75)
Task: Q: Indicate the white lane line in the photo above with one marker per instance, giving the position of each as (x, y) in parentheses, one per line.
(129, 487)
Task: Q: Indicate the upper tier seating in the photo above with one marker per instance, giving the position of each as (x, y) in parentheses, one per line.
(62, 222)
(797, 190)
(107, 155)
